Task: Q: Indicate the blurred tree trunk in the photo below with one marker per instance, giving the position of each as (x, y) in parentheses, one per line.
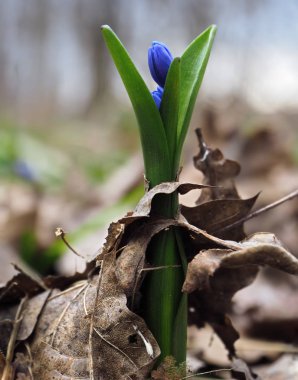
(89, 18)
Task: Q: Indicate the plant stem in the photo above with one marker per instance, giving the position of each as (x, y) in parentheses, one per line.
(165, 306)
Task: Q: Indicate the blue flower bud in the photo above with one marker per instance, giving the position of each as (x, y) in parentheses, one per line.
(159, 60)
(157, 96)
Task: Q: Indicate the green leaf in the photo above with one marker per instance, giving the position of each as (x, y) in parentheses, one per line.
(153, 137)
(162, 295)
(193, 65)
(169, 110)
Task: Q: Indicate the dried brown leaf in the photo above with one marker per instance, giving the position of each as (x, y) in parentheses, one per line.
(21, 284)
(214, 215)
(31, 313)
(29, 317)
(144, 206)
(215, 275)
(113, 238)
(260, 249)
(79, 331)
(85, 328)
(131, 260)
(218, 172)
(30, 284)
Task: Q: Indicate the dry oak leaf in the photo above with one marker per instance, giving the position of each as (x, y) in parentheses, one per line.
(87, 332)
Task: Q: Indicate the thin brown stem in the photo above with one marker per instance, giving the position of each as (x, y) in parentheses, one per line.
(160, 267)
(61, 233)
(6, 375)
(205, 373)
(288, 197)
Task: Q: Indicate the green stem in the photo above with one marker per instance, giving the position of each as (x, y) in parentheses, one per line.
(165, 306)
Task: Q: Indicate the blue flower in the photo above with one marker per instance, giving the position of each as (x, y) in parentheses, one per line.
(159, 60)
(157, 96)
(22, 169)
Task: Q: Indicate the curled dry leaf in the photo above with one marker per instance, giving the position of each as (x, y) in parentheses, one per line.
(218, 172)
(143, 208)
(215, 275)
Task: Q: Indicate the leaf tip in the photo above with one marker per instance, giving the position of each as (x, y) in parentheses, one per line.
(105, 28)
(213, 29)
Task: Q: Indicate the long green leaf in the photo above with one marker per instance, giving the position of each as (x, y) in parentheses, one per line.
(169, 109)
(162, 294)
(193, 65)
(153, 137)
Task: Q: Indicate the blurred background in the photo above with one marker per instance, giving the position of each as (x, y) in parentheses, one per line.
(69, 146)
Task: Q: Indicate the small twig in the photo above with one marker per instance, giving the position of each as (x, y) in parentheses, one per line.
(78, 285)
(61, 233)
(31, 361)
(114, 347)
(13, 336)
(206, 373)
(91, 327)
(161, 267)
(12, 340)
(260, 211)
(139, 274)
